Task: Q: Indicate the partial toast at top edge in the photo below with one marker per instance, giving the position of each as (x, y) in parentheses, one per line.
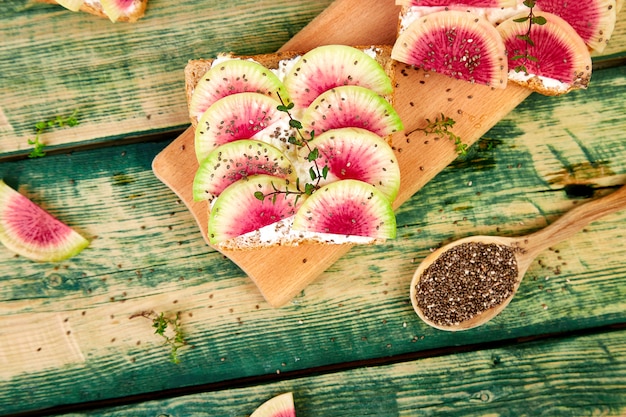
(96, 9)
(196, 68)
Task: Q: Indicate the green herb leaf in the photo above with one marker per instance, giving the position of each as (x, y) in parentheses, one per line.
(41, 127)
(295, 124)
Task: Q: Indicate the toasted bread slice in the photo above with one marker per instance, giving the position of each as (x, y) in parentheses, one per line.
(498, 17)
(281, 232)
(196, 68)
(94, 7)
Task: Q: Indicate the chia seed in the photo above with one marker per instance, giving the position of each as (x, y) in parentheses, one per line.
(466, 280)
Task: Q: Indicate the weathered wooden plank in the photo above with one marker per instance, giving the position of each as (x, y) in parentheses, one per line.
(124, 79)
(575, 376)
(65, 330)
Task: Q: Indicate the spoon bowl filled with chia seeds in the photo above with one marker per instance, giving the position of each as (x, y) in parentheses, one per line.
(466, 283)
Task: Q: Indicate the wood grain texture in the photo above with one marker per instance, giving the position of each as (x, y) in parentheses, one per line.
(577, 376)
(126, 80)
(66, 332)
(146, 254)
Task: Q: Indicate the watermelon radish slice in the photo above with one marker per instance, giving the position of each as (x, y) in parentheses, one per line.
(458, 44)
(116, 8)
(236, 160)
(331, 66)
(30, 231)
(73, 5)
(358, 154)
(279, 406)
(351, 106)
(238, 211)
(561, 61)
(241, 116)
(231, 77)
(347, 208)
(594, 20)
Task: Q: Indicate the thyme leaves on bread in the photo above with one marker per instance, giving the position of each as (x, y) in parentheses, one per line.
(531, 19)
(316, 173)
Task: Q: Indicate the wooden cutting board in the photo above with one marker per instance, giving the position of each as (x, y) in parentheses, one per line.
(281, 273)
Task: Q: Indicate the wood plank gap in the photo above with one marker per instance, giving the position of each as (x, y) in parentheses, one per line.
(321, 370)
(168, 136)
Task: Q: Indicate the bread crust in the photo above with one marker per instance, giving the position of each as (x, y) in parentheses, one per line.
(95, 9)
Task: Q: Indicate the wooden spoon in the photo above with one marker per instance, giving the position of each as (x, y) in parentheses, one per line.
(525, 249)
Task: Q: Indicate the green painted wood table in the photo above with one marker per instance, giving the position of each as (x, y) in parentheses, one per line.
(74, 336)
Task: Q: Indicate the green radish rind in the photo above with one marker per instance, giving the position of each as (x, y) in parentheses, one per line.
(238, 211)
(351, 106)
(236, 160)
(458, 44)
(247, 115)
(21, 220)
(230, 77)
(331, 66)
(347, 208)
(358, 154)
(279, 406)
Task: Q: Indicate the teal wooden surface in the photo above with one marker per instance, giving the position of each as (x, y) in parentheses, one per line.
(350, 344)
(124, 79)
(538, 379)
(147, 254)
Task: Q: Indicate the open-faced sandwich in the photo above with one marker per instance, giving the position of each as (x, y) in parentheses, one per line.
(115, 10)
(544, 45)
(295, 147)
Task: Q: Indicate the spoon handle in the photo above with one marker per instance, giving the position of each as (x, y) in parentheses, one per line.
(575, 220)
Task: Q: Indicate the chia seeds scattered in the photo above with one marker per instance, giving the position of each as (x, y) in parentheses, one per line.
(466, 280)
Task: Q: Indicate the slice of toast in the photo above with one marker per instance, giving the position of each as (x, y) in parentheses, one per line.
(196, 68)
(497, 16)
(94, 7)
(281, 233)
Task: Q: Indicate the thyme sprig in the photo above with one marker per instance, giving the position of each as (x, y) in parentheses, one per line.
(316, 173)
(532, 19)
(174, 338)
(441, 127)
(42, 126)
